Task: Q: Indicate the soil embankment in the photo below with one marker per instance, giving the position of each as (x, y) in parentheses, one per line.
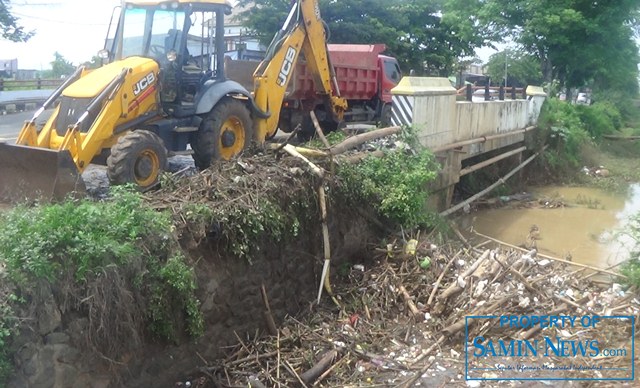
(251, 232)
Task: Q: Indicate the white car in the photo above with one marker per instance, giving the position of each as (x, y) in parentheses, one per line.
(583, 98)
(478, 95)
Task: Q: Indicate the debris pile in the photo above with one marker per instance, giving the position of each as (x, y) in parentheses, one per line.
(399, 320)
(202, 202)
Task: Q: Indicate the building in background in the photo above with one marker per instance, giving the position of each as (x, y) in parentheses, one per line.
(8, 67)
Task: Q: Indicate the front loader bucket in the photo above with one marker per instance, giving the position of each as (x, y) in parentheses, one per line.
(31, 173)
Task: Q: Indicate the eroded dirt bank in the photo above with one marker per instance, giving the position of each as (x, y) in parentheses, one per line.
(267, 244)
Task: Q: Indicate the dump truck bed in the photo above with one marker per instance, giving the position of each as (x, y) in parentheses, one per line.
(356, 65)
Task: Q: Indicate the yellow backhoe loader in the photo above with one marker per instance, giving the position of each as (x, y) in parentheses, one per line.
(161, 90)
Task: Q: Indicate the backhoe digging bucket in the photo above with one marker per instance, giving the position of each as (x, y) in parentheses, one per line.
(30, 173)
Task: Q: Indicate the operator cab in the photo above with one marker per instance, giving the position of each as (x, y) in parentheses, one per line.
(160, 31)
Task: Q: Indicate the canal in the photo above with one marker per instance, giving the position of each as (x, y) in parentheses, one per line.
(586, 225)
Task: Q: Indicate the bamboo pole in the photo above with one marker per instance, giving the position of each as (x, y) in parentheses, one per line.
(308, 152)
(355, 141)
(488, 162)
(319, 131)
(493, 186)
(482, 139)
(291, 150)
(551, 257)
(324, 281)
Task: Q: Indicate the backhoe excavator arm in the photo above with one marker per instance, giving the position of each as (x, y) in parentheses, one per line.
(304, 32)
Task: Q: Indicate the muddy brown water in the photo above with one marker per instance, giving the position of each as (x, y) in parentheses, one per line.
(590, 228)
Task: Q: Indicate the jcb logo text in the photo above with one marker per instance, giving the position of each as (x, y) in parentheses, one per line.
(143, 83)
(287, 66)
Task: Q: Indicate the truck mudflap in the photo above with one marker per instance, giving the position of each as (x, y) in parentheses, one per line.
(40, 174)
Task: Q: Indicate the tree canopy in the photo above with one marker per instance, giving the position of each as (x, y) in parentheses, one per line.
(577, 42)
(522, 68)
(414, 31)
(9, 28)
(572, 42)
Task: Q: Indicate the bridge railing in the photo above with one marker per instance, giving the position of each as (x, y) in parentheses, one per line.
(30, 84)
(468, 92)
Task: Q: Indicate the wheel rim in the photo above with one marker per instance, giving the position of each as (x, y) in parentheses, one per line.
(231, 139)
(146, 168)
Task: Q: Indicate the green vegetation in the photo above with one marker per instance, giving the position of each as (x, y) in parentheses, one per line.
(121, 247)
(631, 269)
(575, 137)
(7, 329)
(396, 185)
(522, 68)
(9, 25)
(245, 226)
(564, 132)
(402, 25)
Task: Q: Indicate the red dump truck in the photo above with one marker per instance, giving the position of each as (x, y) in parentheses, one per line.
(364, 76)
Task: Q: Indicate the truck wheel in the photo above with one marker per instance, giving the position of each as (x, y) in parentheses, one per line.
(307, 130)
(138, 157)
(223, 134)
(385, 115)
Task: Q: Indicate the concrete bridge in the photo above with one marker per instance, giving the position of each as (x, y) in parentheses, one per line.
(458, 130)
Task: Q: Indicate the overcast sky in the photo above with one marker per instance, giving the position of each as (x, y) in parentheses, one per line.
(74, 28)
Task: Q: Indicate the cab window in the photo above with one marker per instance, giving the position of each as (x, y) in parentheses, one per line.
(392, 71)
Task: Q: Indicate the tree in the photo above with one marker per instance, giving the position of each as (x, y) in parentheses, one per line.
(414, 31)
(60, 67)
(9, 28)
(572, 39)
(522, 68)
(94, 63)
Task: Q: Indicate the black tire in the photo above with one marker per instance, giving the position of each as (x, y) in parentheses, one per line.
(138, 157)
(224, 133)
(385, 115)
(307, 130)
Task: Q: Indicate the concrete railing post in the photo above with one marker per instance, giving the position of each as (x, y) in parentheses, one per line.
(536, 97)
(429, 105)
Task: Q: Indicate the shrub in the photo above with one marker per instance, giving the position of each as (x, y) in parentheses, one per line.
(112, 250)
(396, 184)
(563, 131)
(600, 118)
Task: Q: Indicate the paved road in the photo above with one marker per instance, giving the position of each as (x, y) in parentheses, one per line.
(10, 124)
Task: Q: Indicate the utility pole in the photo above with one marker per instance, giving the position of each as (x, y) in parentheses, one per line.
(506, 60)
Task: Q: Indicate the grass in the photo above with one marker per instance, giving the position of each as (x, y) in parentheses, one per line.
(111, 250)
(620, 157)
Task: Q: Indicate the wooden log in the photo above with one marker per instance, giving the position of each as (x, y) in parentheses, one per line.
(444, 271)
(319, 131)
(324, 281)
(488, 162)
(288, 139)
(493, 186)
(355, 141)
(308, 152)
(409, 301)
(454, 288)
(310, 376)
(268, 316)
(291, 150)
